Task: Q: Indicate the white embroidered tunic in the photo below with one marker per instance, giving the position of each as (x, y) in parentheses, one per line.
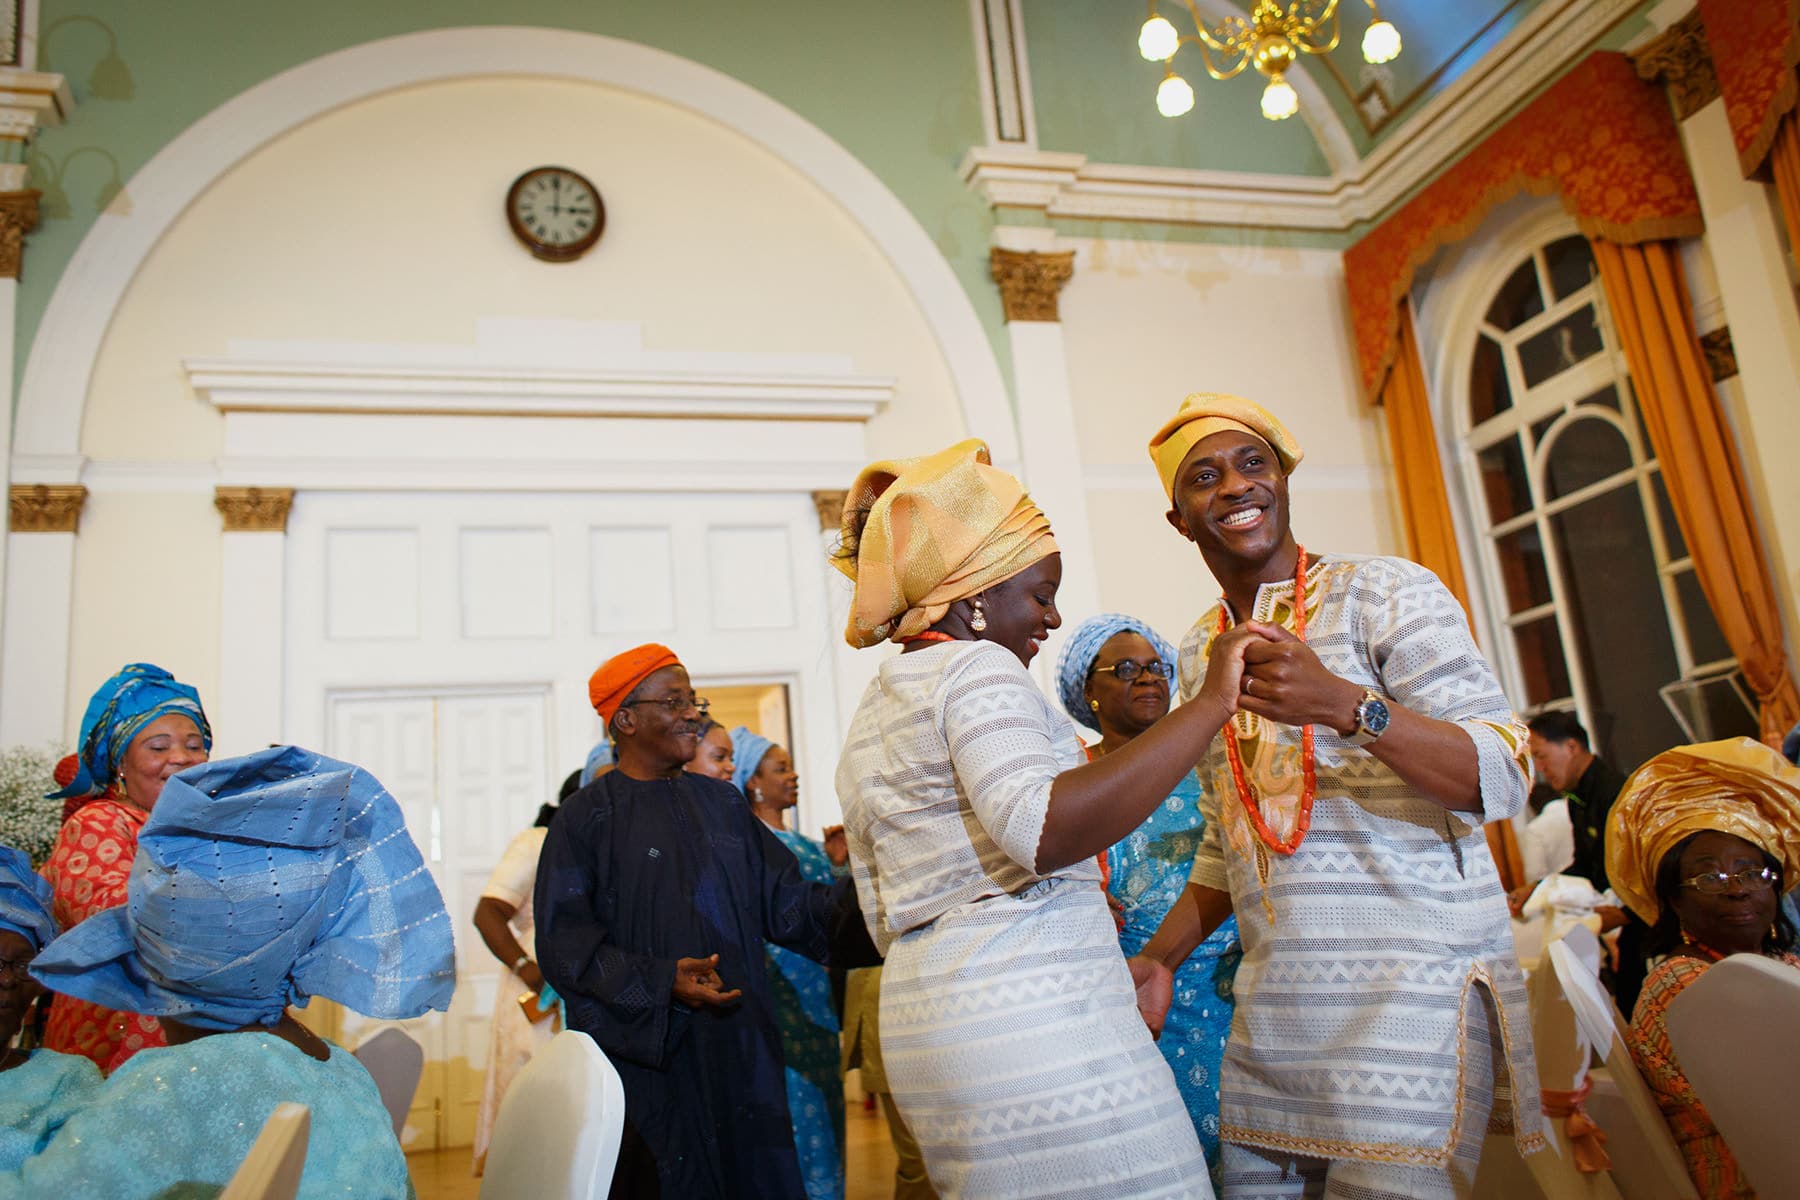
(1361, 949)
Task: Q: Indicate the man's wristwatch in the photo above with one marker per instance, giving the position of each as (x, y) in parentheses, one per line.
(1372, 718)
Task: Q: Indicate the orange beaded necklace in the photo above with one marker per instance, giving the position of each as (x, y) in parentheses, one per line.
(1308, 767)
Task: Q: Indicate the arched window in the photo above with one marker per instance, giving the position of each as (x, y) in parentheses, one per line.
(1595, 602)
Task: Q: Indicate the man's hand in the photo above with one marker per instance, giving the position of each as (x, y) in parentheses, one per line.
(836, 848)
(697, 983)
(1515, 899)
(1611, 917)
(1285, 682)
(534, 978)
(1155, 985)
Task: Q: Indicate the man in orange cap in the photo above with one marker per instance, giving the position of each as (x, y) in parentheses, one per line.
(657, 890)
(1381, 1011)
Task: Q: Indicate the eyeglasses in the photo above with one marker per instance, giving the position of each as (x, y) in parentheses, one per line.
(1128, 669)
(675, 705)
(1717, 883)
(15, 967)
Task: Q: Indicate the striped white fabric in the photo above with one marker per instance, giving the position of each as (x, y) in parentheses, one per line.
(1009, 1027)
(1355, 1002)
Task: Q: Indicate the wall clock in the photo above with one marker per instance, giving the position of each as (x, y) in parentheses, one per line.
(555, 212)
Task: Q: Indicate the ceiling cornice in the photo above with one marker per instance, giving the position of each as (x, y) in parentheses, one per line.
(1551, 39)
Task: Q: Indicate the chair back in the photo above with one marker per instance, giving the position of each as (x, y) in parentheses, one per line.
(271, 1171)
(557, 1135)
(395, 1062)
(1646, 1163)
(1562, 1061)
(1733, 1032)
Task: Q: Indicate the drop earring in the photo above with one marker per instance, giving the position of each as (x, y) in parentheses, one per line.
(979, 621)
(1094, 704)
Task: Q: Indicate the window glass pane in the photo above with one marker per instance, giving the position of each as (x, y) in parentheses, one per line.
(1518, 299)
(1541, 661)
(1666, 511)
(1571, 264)
(1488, 392)
(1705, 641)
(1615, 604)
(1606, 397)
(1586, 452)
(1540, 428)
(1522, 569)
(1556, 349)
(1503, 479)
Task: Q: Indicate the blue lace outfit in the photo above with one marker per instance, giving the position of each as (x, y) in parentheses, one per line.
(809, 1045)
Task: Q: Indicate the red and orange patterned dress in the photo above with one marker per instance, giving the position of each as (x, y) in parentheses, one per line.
(88, 870)
(1709, 1160)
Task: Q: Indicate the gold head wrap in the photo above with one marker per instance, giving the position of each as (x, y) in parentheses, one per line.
(1205, 413)
(1737, 786)
(940, 528)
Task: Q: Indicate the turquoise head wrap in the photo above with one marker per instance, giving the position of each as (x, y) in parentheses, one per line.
(130, 700)
(747, 750)
(25, 899)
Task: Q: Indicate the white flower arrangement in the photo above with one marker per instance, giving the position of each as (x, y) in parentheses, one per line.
(28, 820)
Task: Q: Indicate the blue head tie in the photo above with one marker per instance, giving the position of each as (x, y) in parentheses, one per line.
(25, 899)
(1083, 647)
(747, 750)
(118, 711)
(260, 882)
(600, 756)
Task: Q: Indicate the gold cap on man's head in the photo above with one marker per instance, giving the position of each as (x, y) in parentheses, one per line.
(1205, 413)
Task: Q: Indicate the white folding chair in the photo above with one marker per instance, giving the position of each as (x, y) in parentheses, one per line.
(1646, 1163)
(557, 1136)
(1733, 1031)
(271, 1171)
(395, 1062)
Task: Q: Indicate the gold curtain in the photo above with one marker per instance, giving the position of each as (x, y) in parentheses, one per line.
(1647, 291)
(1784, 165)
(1418, 474)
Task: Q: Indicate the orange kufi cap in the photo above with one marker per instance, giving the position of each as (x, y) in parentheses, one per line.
(608, 686)
(1205, 413)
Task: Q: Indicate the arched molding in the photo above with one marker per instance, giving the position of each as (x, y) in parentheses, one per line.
(53, 393)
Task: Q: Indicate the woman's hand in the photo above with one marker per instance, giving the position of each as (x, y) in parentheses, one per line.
(836, 848)
(1155, 985)
(1225, 665)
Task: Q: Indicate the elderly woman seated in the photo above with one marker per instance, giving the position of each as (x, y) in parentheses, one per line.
(260, 882)
(41, 1087)
(1704, 841)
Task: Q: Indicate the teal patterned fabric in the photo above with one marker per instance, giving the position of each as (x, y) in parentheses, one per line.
(809, 1045)
(36, 1097)
(1148, 871)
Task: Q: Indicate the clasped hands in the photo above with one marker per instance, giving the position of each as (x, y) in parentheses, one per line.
(1266, 670)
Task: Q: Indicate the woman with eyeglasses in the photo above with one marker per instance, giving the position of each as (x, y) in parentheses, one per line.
(1114, 678)
(1704, 841)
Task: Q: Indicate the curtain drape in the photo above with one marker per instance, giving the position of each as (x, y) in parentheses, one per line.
(1784, 167)
(1418, 474)
(1647, 292)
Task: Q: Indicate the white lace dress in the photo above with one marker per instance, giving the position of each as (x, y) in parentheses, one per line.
(1009, 1027)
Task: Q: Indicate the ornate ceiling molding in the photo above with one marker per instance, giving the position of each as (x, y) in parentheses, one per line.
(1555, 34)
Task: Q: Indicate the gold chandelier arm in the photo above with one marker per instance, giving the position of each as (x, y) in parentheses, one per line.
(1305, 32)
(1232, 38)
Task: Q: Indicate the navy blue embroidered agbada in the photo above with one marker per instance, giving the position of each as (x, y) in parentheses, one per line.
(637, 874)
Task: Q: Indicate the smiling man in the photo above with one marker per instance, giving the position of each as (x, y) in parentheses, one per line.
(656, 893)
(1381, 1014)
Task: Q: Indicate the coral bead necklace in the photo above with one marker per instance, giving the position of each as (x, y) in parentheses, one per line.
(1308, 767)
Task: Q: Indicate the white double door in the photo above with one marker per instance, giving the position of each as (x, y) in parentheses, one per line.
(444, 641)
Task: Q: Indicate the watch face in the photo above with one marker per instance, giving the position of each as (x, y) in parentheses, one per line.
(1375, 717)
(556, 212)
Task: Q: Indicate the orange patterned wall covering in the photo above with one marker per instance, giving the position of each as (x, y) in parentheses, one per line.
(1602, 137)
(1754, 50)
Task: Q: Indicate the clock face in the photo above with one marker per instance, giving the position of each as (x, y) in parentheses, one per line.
(556, 212)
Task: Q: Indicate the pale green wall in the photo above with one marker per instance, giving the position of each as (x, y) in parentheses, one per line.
(896, 84)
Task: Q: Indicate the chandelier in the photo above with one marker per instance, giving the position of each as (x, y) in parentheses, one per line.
(1271, 39)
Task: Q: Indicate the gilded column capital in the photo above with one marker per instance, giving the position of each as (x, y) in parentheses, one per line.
(254, 509)
(1681, 58)
(18, 217)
(1721, 355)
(47, 507)
(830, 506)
(1030, 281)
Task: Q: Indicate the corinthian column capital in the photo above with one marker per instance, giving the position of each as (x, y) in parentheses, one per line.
(1030, 281)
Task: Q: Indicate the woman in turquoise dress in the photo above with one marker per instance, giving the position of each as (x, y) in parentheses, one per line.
(260, 882)
(41, 1089)
(1114, 678)
(804, 1011)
